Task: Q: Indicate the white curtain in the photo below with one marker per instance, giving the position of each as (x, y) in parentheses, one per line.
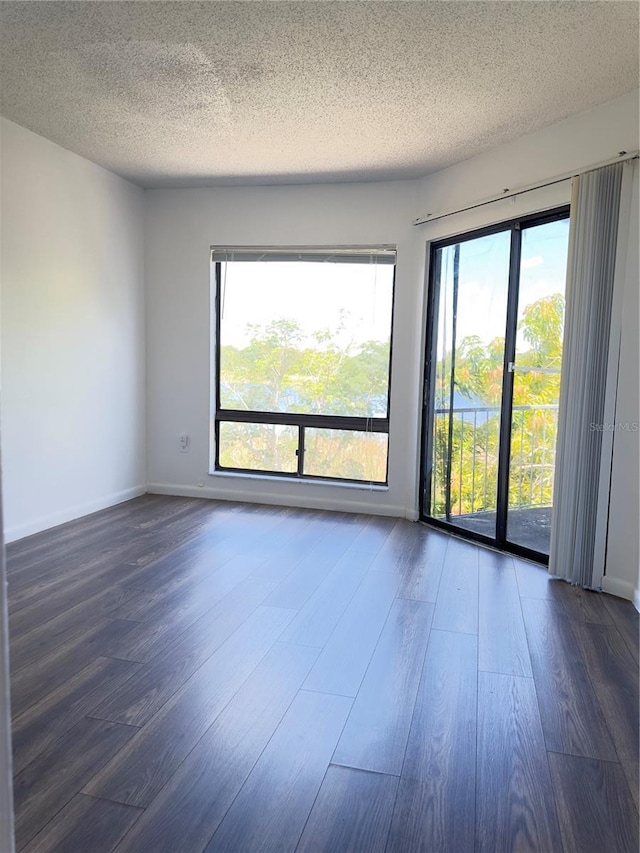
(577, 504)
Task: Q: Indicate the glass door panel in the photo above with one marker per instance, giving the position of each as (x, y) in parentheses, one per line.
(471, 285)
(492, 381)
(536, 383)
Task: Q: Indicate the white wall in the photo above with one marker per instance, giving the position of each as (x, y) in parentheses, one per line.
(570, 145)
(72, 334)
(181, 226)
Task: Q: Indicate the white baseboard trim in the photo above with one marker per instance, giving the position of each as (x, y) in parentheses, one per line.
(347, 504)
(621, 588)
(28, 528)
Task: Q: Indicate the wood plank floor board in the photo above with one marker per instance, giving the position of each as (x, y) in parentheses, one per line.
(28, 647)
(435, 806)
(288, 557)
(318, 617)
(595, 808)
(167, 621)
(352, 813)
(161, 511)
(34, 683)
(158, 583)
(515, 806)
(69, 569)
(151, 545)
(272, 807)
(49, 604)
(291, 550)
(143, 695)
(407, 547)
(301, 571)
(583, 605)
(627, 620)
(85, 825)
(443, 731)
(421, 578)
(614, 676)
(214, 586)
(21, 552)
(300, 584)
(348, 536)
(36, 729)
(47, 784)
(457, 601)
(534, 581)
(191, 806)
(630, 769)
(58, 570)
(142, 768)
(311, 530)
(222, 536)
(222, 539)
(572, 719)
(376, 532)
(342, 663)
(64, 552)
(60, 590)
(188, 563)
(502, 639)
(376, 733)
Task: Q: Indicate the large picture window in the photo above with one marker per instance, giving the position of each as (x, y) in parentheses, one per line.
(302, 355)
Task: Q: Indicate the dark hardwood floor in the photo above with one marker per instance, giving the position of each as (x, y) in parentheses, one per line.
(194, 676)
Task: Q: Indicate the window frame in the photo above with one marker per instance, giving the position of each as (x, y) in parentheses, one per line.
(371, 425)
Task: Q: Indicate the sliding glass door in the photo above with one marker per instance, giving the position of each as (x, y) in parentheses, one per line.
(492, 379)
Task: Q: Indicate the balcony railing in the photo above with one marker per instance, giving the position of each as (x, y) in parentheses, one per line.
(470, 460)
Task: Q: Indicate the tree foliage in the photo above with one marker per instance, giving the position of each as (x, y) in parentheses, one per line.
(472, 465)
(282, 370)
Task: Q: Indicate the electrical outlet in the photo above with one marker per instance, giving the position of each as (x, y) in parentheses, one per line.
(184, 443)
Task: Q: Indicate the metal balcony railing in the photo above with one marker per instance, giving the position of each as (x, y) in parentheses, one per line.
(471, 462)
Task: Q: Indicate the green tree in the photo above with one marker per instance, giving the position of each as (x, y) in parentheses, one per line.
(280, 370)
(475, 442)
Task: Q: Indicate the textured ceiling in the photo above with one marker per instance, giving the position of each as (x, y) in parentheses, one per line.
(185, 93)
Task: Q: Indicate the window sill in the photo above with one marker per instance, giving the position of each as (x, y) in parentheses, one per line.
(272, 478)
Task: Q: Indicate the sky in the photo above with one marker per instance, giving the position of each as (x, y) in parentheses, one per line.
(310, 293)
(484, 271)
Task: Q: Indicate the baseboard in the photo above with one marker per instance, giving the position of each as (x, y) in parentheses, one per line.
(28, 528)
(305, 501)
(623, 589)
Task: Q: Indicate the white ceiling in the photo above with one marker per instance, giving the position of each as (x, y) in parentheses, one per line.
(186, 94)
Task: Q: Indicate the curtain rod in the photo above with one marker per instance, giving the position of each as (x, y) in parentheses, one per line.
(621, 157)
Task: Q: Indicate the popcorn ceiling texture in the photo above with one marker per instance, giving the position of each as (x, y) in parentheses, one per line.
(188, 94)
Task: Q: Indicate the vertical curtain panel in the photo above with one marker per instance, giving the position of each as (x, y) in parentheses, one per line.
(593, 239)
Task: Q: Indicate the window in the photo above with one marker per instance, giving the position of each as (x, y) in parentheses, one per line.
(302, 362)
